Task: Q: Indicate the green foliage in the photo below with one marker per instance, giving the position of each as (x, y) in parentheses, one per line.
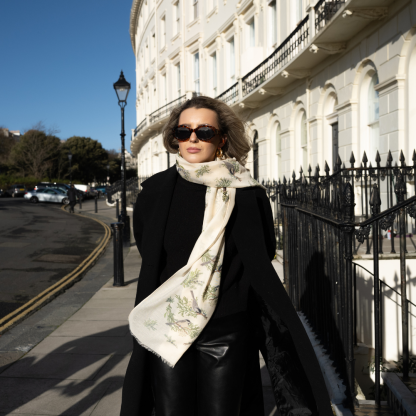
(191, 279)
(6, 180)
(35, 154)
(412, 364)
(170, 340)
(149, 324)
(203, 169)
(89, 159)
(223, 182)
(211, 294)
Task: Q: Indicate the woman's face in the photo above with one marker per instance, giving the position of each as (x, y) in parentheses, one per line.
(195, 150)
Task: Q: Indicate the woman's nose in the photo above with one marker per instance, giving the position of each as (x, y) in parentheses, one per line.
(193, 137)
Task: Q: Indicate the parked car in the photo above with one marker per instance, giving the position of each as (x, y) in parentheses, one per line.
(85, 189)
(2, 193)
(17, 189)
(101, 190)
(62, 186)
(47, 195)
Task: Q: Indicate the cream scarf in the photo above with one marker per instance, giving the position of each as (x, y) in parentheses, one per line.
(169, 320)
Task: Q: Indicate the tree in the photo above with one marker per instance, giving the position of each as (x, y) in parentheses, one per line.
(7, 142)
(35, 154)
(89, 159)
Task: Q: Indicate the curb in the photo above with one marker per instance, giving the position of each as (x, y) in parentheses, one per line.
(53, 291)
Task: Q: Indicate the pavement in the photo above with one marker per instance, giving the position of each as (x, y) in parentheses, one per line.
(70, 357)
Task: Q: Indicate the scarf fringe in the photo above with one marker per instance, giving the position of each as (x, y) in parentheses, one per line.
(152, 351)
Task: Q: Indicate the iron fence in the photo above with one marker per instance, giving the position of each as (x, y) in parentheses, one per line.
(140, 127)
(133, 186)
(290, 47)
(166, 109)
(320, 222)
(325, 11)
(230, 95)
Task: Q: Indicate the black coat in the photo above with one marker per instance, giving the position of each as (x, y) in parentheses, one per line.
(72, 195)
(296, 377)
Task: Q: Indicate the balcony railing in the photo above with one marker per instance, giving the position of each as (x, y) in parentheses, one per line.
(325, 11)
(140, 127)
(229, 96)
(166, 109)
(291, 47)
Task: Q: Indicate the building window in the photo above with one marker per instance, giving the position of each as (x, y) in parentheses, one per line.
(373, 117)
(162, 32)
(273, 23)
(214, 74)
(279, 152)
(178, 78)
(232, 59)
(177, 23)
(298, 11)
(251, 34)
(195, 7)
(304, 141)
(196, 72)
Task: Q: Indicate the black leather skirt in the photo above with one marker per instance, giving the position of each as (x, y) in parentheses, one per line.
(209, 378)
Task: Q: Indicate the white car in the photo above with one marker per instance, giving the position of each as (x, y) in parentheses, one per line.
(47, 195)
(85, 189)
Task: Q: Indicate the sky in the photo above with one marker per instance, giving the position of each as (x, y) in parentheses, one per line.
(59, 60)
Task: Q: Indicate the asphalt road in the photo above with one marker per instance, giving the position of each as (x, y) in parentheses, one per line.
(39, 245)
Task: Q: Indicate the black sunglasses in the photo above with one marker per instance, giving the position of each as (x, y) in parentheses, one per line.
(204, 132)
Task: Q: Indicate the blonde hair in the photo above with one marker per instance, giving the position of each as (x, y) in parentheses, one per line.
(230, 124)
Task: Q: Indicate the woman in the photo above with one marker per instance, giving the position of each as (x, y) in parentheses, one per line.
(208, 298)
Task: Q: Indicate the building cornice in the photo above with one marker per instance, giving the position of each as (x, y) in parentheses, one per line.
(134, 14)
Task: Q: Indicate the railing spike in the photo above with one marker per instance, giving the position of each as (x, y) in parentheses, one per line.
(389, 157)
(326, 169)
(301, 171)
(294, 175)
(309, 169)
(401, 158)
(414, 156)
(365, 159)
(284, 180)
(370, 166)
(262, 182)
(343, 166)
(378, 158)
(352, 158)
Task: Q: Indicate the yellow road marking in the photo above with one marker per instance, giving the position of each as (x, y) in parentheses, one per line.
(39, 299)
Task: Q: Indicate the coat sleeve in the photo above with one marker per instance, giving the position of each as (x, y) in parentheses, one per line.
(138, 219)
(266, 216)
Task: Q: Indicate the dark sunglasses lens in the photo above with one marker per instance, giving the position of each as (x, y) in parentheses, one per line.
(205, 133)
(182, 133)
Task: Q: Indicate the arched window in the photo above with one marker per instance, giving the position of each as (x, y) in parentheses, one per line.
(304, 141)
(255, 155)
(373, 117)
(278, 151)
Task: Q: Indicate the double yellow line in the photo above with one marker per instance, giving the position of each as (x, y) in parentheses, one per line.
(38, 300)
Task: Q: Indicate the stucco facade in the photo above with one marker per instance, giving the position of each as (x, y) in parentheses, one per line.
(350, 73)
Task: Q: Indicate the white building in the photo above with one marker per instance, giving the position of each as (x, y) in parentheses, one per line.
(312, 78)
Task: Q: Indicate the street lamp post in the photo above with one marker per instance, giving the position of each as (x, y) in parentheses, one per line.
(122, 88)
(108, 174)
(70, 167)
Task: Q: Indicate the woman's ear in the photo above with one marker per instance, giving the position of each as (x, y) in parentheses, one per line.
(222, 142)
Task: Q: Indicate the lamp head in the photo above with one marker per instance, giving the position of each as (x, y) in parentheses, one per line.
(122, 88)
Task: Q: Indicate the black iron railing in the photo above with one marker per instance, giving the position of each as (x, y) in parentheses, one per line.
(166, 109)
(140, 127)
(132, 190)
(291, 47)
(325, 11)
(230, 95)
(321, 221)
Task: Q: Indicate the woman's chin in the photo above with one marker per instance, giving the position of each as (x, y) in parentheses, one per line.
(197, 158)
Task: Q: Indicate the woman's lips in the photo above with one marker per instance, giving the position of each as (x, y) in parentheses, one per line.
(193, 150)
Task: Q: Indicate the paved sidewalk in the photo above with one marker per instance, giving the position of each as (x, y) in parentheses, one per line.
(78, 369)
